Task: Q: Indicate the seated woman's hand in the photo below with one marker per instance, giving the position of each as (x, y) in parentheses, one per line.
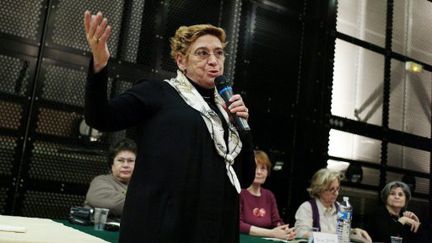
(362, 233)
(283, 232)
(411, 215)
(414, 225)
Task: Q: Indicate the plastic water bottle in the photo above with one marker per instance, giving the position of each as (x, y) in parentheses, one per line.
(344, 216)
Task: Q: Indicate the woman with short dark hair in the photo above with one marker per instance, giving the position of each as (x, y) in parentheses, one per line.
(392, 219)
(109, 191)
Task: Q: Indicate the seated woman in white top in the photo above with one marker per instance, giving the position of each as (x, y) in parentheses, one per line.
(321, 211)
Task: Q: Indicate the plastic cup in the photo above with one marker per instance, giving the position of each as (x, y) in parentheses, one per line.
(396, 239)
(100, 218)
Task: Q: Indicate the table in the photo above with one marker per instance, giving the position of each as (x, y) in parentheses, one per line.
(105, 235)
(113, 236)
(16, 229)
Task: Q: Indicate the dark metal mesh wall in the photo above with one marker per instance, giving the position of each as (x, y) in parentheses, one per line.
(3, 198)
(64, 85)
(186, 13)
(132, 31)
(15, 79)
(21, 18)
(14, 75)
(48, 204)
(160, 21)
(7, 151)
(11, 115)
(57, 163)
(67, 21)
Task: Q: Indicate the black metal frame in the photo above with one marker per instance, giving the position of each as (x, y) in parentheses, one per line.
(384, 133)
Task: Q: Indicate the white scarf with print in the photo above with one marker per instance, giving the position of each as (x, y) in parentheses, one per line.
(214, 125)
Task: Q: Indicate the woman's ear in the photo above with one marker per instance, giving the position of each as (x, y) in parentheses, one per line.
(181, 61)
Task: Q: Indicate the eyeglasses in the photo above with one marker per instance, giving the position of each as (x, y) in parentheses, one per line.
(204, 54)
(333, 189)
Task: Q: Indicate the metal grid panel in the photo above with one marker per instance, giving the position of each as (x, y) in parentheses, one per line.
(362, 201)
(11, 115)
(64, 85)
(186, 13)
(408, 158)
(21, 18)
(14, 75)
(365, 20)
(122, 86)
(422, 184)
(132, 33)
(147, 50)
(7, 154)
(357, 83)
(267, 35)
(58, 123)
(53, 162)
(49, 205)
(410, 99)
(412, 30)
(352, 146)
(68, 29)
(3, 197)
(370, 176)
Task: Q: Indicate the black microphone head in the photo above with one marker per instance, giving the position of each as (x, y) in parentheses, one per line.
(221, 82)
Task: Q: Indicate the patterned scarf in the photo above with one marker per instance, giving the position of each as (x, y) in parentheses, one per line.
(214, 125)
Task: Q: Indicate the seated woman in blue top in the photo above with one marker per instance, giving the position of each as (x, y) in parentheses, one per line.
(392, 219)
(259, 213)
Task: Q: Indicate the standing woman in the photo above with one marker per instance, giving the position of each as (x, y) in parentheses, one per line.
(191, 161)
(393, 219)
(259, 214)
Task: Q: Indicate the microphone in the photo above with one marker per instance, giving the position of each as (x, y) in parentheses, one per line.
(225, 90)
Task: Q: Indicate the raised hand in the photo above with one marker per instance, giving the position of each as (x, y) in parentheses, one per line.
(97, 33)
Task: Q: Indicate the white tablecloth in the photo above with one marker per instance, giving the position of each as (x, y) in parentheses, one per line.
(38, 230)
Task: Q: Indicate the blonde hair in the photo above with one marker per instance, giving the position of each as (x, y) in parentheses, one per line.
(262, 158)
(186, 35)
(321, 181)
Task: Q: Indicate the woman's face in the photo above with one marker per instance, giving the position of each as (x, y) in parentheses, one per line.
(123, 166)
(203, 61)
(261, 173)
(396, 198)
(330, 194)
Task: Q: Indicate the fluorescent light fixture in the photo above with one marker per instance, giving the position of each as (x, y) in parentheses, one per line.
(413, 67)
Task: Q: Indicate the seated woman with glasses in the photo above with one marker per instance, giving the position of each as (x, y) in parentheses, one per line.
(321, 210)
(259, 213)
(109, 191)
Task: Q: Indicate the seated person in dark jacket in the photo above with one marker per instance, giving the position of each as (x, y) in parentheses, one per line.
(109, 191)
(393, 219)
